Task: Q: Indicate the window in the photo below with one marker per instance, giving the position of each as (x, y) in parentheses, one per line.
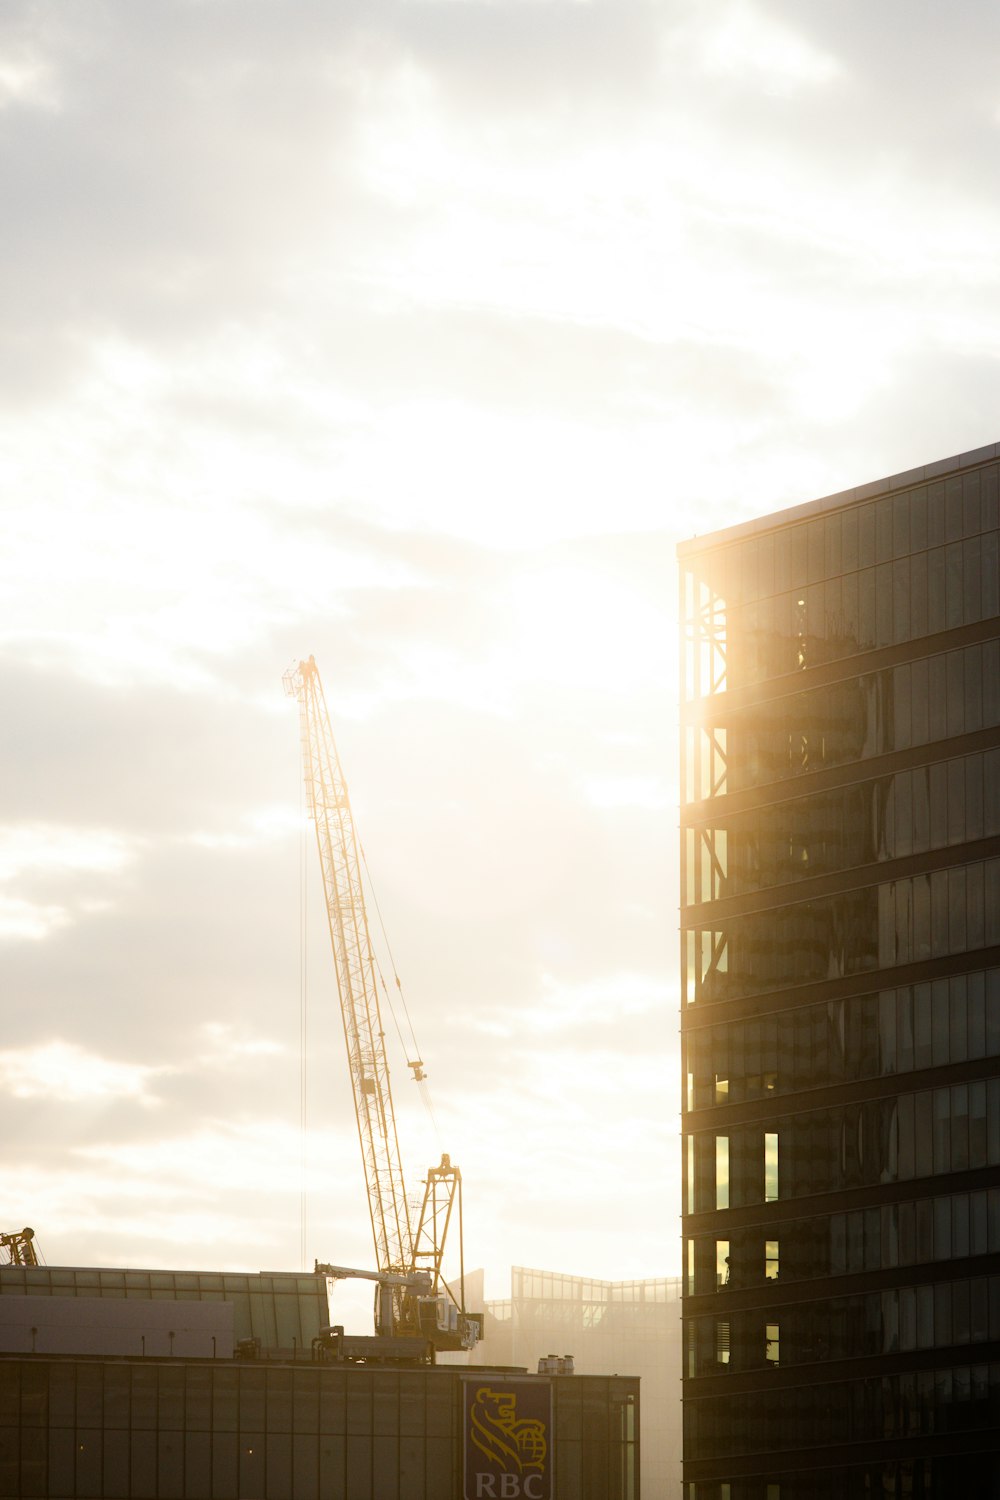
(771, 1343)
(722, 1171)
(770, 1167)
(770, 1260)
(721, 1263)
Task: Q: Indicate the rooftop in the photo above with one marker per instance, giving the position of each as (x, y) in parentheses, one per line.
(812, 508)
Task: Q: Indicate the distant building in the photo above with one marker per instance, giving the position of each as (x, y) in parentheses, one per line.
(210, 1386)
(841, 976)
(608, 1327)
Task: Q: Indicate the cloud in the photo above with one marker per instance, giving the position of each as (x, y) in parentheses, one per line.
(66, 1073)
(33, 848)
(614, 1000)
(412, 335)
(31, 920)
(747, 43)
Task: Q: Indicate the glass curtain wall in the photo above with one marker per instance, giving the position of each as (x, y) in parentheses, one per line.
(215, 1430)
(840, 881)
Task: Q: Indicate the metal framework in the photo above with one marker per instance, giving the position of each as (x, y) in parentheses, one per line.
(402, 1253)
(18, 1249)
(705, 765)
(442, 1194)
(357, 974)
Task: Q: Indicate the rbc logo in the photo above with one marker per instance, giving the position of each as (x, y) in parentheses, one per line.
(511, 1487)
(507, 1439)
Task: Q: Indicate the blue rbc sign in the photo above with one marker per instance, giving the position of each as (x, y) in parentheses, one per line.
(507, 1428)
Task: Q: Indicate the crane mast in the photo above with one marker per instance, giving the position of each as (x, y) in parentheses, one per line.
(357, 974)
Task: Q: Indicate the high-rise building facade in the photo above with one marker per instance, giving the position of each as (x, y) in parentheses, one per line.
(841, 995)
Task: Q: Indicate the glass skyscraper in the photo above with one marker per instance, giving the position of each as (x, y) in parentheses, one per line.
(840, 872)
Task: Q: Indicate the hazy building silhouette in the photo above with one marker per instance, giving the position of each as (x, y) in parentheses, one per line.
(841, 1008)
(609, 1328)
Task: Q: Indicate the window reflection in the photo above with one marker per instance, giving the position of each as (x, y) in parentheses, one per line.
(916, 703)
(854, 1145)
(877, 927)
(897, 1319)
(893, 1031)
(820, 590)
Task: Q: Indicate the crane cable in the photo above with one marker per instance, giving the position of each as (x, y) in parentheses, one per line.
(303, 1022)
(422, 1085)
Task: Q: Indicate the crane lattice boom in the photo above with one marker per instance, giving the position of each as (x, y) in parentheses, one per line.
(414, 1299)
(357, 974)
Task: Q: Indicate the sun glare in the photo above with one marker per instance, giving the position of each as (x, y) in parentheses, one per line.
(583, 627)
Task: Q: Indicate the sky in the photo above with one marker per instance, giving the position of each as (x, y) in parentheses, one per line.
(414, 336)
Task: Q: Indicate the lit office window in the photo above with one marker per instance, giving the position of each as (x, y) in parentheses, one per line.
(770, 1168)
(722, 1171)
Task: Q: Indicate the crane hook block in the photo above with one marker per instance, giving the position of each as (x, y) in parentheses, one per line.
(418, 1070)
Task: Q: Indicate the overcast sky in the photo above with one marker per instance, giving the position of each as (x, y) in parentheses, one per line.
(414, 336)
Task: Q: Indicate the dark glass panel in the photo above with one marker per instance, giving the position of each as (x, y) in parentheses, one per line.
(937, 688)
(936, 591)
(972, 663)
(883, 604)
(901, 690)
(991, 682)
(918, 594)
(975, 887)
(765, 565)
(935, 513)
(988, 575)
(748, 565)
(901, 601)
(971, 510)
(991, 793)
(815, 544)
(972, 599)
(988, 500)
(920, 707)
(953, 509)
(954, 585)
(883, 529)
(901, 525)
(918, 520)
(866, 536)
(782, 561)
(799, 557)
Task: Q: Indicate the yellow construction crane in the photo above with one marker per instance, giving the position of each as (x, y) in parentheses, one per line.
(414, 1300)
(18, 1249)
